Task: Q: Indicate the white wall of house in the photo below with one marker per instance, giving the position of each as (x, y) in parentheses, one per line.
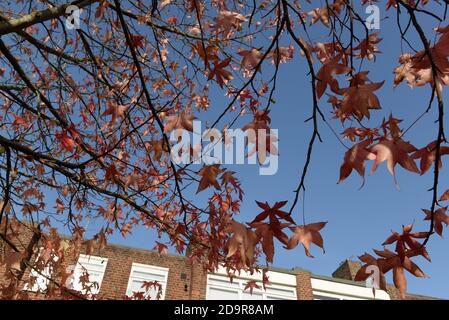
(334, 290)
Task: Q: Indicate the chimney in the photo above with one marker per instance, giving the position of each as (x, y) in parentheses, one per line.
(347, 270)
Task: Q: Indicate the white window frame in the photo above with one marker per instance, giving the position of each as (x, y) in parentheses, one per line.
(41, 278)
(344, 291)
(147, 268)
(80, 269)
(241, 286)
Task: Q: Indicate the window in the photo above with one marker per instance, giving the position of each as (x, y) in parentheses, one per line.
(325, 297)
(95, 268)
(220, 288)
(41, 277)
(143, 272)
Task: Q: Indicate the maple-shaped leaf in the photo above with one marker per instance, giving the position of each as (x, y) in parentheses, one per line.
(265, 279)
(367, 270)
(320, 14)
(227, 21)
(394, 152)
(418, 68)
(137, 40)
(406, 241)
(358, 100)
(222, 76)
(260, 134)
(208, 54)
(307, 234)
(281, 54)
(325, 76)
(227, 178)
(368, 47)
(115, 111)
(405, 71)
(266, 233)
(439, 217)
(251, 285)
(260, 121)
(243, 241)
(158, 147)
(272, 213)
(360, 133)
(355, 160)
(444, 196)
(428, 156)
(160, 248)
(67, 142)
(251, 58)
(443, 43)
(182, 121)
(391, 126)
(209, 177)
(90, 246)
(398, 263)
(423, 68)
(264, 142)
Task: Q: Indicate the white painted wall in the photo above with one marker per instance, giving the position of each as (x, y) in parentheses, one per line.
(344, 291)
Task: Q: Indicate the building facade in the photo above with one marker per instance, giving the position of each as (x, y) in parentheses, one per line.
(120, 271)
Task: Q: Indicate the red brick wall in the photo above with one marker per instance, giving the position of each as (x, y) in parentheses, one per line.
(180, 275)
(186, 280)
(304, 285)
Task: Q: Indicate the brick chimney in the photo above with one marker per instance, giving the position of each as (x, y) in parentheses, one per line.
(347, 270)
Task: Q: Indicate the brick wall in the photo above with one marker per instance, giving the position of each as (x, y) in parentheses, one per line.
(181, 275)
(186, 280)
(347, 270)
(303, 285)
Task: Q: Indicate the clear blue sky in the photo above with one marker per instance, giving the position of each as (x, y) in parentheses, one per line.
(359, 220)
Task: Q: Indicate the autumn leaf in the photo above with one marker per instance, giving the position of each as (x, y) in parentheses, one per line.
(137, 40)
(160, 248)
(115, 111)
(358, 100)
(398, 264)
(251, 58)
(228, 178)
(207, 53)
(394, 152)
(261, 136)
(444, 196)
(266, 232)
(158, 147)
(325, 76)
(126, 228)
(182, 121)
(439, 217)
(406, 241)
(90, 246)
(222, 76)
(272, 213)
(355, 160)
(368, 47)
(226, 21)
(243, 240)
(209, 177)
(251, 285)
(67, 143)
(307, 234)
(428, 156)
(367, 270)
